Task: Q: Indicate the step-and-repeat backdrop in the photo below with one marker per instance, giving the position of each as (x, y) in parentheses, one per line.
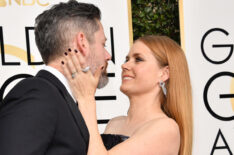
(207, 34)
(20, 57)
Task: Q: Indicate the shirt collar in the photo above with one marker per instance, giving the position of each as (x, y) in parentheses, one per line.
(61, 78)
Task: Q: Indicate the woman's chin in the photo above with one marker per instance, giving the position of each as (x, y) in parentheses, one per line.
(124, 90)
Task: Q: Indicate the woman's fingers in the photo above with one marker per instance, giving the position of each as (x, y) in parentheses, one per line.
(76, 60)
(66, 71)
(69, 63)
(81, 80)
(74, 63)
(80, 58)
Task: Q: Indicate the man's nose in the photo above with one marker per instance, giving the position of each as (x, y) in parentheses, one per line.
(108, 56)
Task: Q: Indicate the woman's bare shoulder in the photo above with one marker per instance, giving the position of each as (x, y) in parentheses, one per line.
(166, 124)
(161, 133)
(161, 126)
(157, 136)
(114, 124)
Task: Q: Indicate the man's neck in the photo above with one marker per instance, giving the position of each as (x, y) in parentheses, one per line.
(56, 70)
(57, 65)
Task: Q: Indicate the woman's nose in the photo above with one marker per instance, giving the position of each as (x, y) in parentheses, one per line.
(126, 65)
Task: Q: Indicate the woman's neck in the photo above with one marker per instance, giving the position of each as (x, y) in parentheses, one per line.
(144, 108)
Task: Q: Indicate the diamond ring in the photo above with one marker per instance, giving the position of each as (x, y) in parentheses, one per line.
(73, 75)
(86, 69)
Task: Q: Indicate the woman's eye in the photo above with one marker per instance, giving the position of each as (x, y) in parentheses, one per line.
(126, 60)
(138, 59)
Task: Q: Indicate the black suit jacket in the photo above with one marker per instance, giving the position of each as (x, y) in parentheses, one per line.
(39, 117)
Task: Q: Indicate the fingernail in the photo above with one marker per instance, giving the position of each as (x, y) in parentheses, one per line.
(69, 50)
(76, 51)
(62, 62)
(65, 53)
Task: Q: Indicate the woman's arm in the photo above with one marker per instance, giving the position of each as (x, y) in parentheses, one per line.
(83, 85)
(155, 137)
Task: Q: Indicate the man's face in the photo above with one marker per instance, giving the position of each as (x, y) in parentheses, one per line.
(99, 56)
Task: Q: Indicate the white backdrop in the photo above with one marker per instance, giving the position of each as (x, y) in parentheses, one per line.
(17, 35)
(207, 29)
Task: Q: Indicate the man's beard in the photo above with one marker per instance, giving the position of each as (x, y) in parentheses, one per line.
(103, 79)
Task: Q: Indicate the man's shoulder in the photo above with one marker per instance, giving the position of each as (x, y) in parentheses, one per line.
(31, 91)
(32, 83)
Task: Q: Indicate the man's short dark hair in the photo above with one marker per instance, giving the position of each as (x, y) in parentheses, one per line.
(55, 28)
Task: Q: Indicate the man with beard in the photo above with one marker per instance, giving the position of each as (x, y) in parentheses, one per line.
(40, 116)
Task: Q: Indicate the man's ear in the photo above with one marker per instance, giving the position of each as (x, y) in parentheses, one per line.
(82, 43)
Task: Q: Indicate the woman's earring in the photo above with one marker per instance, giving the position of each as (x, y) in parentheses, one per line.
(162, 85)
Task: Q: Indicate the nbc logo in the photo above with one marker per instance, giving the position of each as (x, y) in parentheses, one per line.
(4, 3)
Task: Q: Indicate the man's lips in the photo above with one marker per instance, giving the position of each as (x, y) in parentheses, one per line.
(105, 68)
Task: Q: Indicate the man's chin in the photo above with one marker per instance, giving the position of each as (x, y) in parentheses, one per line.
(103, 81)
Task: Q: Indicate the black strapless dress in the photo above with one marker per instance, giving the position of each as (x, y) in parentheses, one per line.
(110, 140)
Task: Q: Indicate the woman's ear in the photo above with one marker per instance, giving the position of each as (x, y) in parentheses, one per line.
(165, 73)
(82, 43)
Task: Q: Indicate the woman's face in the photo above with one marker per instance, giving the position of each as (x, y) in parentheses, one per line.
(141, 72)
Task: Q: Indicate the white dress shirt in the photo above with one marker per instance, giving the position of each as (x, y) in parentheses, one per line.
(61, 78)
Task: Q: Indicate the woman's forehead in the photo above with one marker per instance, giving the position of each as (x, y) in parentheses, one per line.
(139, 48)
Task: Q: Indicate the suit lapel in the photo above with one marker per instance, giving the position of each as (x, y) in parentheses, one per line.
(72, 105)
(78, 118)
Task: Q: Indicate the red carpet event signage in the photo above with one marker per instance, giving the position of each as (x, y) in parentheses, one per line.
(207, 34)
(20, 57)
(4, 3)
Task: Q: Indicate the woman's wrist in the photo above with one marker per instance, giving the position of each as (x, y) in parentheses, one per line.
(86, 100)
(87, 108)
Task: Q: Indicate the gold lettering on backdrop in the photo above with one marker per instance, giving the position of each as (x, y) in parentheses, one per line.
(3, 3)
(17, 1)
(28, 4)
(39, 3)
